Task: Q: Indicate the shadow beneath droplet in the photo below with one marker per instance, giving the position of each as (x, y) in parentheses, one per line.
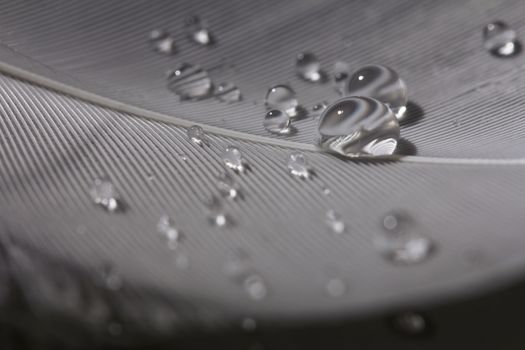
(413, 115)
(405, 148)
(301, 113)
(366, 159)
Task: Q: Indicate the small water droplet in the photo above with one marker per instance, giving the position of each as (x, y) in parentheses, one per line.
(277, 121)
(248, 324)
(233, 159)
(335, 222)
(255, 287)
(319, 107)
(227, 186)
(308, 67)
(197, 31)
(162, 42)
(228, 92)
(281, 97)
(189, 82)
(216, 214)
(110, 276)
(326, 191)
(381, 83)
(183, 157)
(400, 243)
(103, 193)
(501, 40)
(336, 287)
(359, 127)
(166, 227)
(298, 166)
(196, 135)
(410, 324)
(341, 76)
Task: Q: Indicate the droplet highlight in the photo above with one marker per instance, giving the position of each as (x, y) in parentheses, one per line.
(189, 82)
(216, 215)
(227, 186)
(196, 135)
(500, 39)
(197, 31)
(298, 166)
(233, 159)
(308, 67)
(381, 83)
(282, 97)
(335, 222)
(104, 194)
(162, 42)
(277, 122)
(228, 93)
(359, 127)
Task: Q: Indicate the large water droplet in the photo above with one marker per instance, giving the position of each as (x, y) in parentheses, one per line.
(410, 323)
(166, 227)
(234, 160)
(103, 193)
(381, 83)
(400, 242)
(501, 40)
(357, 127)
(335, 222)
(281, 97)
(197, 31)
(228, 92)
(227, 186)
(196, 135)
(335, 287)
(216, 214)
(162, 42)
(341, 76)
(277, 121)
(298, 166)
(189, 82)
(308, 67)
(255, 286)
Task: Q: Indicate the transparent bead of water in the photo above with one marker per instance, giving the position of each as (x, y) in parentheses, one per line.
(359, 127)
(197, 31)
(196, 135)
(189, 82)
(410, 323)
(216, 214)
(166, 227)
(298, 166)
(103, 193)
(281, 97)
(233, 159)
(341, 76)
(319, 107)
(308, 67)
(227, 186)
(335, 222)
(381, 83)
(500, 39)
(162, 42)
(255, 287)
(278, 122)
(336, 287)
(400, 242)
(228, 92)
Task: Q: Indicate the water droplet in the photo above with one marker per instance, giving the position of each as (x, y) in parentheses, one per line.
(335, 222)
(255, 287)
(359, 126)
(103, 193)
(197, 31)
(501, 40)
(228, 92)
(298, 166)
(227, 186)
(233, 159)
(248, 324)
(189, 82)
(381, 83)
(110, 276)
(319, 107)
(308, 67)
(341, 76)
(277, 122)
(336, 287)
(166, 226)
(162, 42)
(196, 135)
(183, 156)
(410, 323)
(216, 214)
(281, 97)
(400, 243)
